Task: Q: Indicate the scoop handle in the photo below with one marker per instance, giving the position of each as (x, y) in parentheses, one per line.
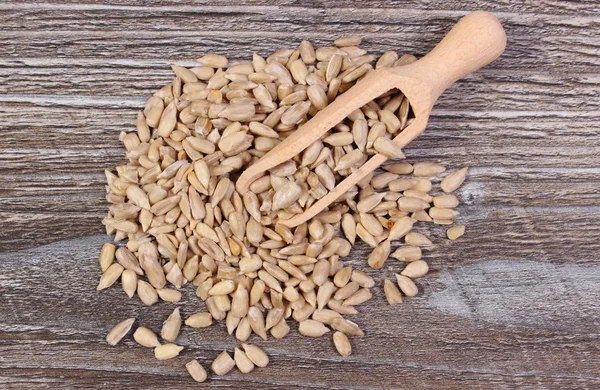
(476, 40)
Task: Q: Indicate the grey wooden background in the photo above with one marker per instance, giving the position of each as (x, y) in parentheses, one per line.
(513, 304)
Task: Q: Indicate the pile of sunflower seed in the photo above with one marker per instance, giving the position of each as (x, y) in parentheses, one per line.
(175, 201)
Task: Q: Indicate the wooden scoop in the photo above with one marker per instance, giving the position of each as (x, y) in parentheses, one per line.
(475, 41)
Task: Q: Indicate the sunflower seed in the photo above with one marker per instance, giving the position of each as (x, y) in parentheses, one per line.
(197, 372)
(388, 148)
(170, 328)
(147, 293)
(342, 344)
(119, 331)
(346, 326)
(107, 256)
(415, 269)
(110, 276)
(167, 351)
(129, 282)
(312, 328)
(455, 232)
(407, 286)
(145, 337)
(453, 180)
(392, 294)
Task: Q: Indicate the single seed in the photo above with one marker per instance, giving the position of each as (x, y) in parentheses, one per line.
(145, 337)
(167, 351)
(392, 294)
(342, 344)
(147, 293)
(129, 282)
(110, 276)
(107, 256)
(407, 253)
(243, 363)
(170, 328)
(197, 372)
(119, 331)
(417, 239)
(348, 327)
(407, 286)
(455, 232)
(222, 364)
(312, 328)
(427, 169)
(453, 180)
(415, 269)
(379, 255)
(256, 355)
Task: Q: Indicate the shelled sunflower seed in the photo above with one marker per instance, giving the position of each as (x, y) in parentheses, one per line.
(175, 201)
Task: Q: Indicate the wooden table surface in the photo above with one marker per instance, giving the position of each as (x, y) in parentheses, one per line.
(513, 304)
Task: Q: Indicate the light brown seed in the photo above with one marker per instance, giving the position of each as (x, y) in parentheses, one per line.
(167, 351)
(145, 337)
(285, 196)
(256, 355)
(379, 255)
(257, 322)
(171, 327)
(119, 331)
(339, 139)
(370, 202)
(445, 201)
(197, 372)
(400, 228)
(243, 363)
(409, 204)
(362, 279)
(455, 232)
(342, 344)
(427, 169)
(392, 294)
(441, 213)
(415, 269)
(199, 320)
(417, 239)
(243, 330)
(169, 294)
(307, 52)
(388, 148)
(348, 327)
(222, 364)
(407, 253)
(401, 168)
(213, 61)
(107, 256)
(358, 297)
(312, 328)
(147, 293)
(346, 291)
(128, 260)
(223, 287)
(453, 180)
(129, 282)
(110, 276)
(280, 330)
(407, 286)
(320, 272)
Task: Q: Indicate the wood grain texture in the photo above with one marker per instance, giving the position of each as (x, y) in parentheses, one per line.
(512, 304)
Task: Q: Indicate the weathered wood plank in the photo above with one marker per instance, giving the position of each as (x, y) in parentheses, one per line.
(559, 92)
(436, 340)
(529, 8)
(228, 30)
(512, 304)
